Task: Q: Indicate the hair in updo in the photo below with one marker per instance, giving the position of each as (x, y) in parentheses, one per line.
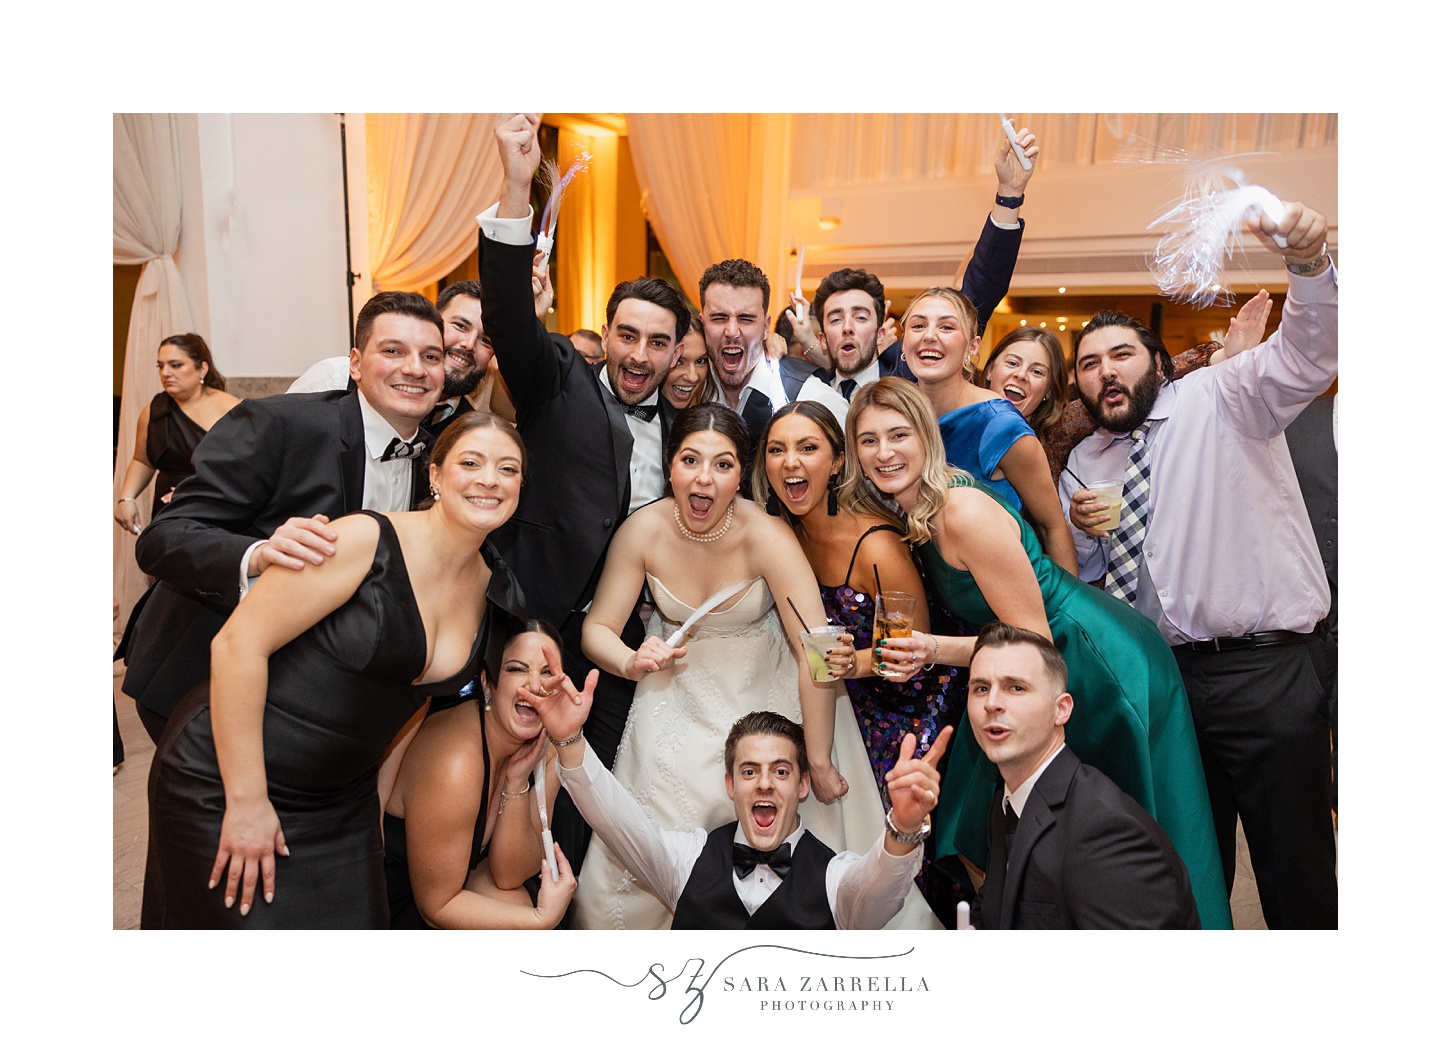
(709, 416)
(194, 348)
(473, 421)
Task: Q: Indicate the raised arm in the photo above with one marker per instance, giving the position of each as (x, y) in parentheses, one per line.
(990, 269)
(280, 607)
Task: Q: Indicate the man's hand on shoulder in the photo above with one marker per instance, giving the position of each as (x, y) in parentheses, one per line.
(295, 543)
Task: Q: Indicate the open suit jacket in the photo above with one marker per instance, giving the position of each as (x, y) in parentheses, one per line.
(267, 460)
(576, 489)
(1085, 856)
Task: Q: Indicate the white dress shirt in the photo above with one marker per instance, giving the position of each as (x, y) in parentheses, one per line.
(765, 378)
(1229, 549)
(1018, 798)
(864, 891)
(647, 473)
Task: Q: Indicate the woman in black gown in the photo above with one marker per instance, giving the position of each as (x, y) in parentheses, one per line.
(193, 397)
(314, 675)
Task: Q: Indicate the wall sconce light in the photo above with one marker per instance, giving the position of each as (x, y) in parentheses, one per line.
(828, 224)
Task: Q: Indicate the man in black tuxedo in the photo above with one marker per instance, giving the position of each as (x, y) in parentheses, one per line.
(764, 871)
(1067, 847)
(270, 475)
(595, 435)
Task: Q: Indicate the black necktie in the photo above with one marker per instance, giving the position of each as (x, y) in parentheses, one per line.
(1011, 829)
(847, 388)
(645, 413)
(441, 413)
(401, 450)
(746, 859)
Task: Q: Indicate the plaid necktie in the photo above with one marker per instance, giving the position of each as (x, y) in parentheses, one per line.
(1125, 544)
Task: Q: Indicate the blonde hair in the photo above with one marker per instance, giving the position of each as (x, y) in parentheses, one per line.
(904, 397)
(966, 314)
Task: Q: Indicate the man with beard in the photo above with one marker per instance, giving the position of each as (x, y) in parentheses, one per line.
(1216, 547)
(735, 298)
(594, 434)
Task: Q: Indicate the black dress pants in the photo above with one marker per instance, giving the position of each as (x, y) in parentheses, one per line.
(1264, 736)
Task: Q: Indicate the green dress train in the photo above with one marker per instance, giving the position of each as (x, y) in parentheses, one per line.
(1131, 718)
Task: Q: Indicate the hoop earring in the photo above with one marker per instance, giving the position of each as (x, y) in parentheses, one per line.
(831, 504)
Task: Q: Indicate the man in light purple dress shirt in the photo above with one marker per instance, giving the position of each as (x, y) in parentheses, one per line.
(1227, 566)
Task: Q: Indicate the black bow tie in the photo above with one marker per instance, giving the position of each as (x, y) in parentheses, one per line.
(645, 413)
(746, 859)
(401, 450)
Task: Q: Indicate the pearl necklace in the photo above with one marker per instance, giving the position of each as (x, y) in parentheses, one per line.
(709, 537)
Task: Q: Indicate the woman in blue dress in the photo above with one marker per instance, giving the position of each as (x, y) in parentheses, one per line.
(983, 432)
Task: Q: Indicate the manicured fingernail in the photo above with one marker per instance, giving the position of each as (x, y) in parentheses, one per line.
(228, 901)
(285, 851)
(245, 907)
(211, 884)
(267, 898)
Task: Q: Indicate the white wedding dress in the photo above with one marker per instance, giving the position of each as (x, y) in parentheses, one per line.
(672, 755)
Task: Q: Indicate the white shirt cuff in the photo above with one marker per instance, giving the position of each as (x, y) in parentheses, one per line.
(1015, 226)
(511, 231)
(244, 582)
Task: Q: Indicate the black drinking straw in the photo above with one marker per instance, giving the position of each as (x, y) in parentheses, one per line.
(879, 578)
(798, 613)
(1077, 479)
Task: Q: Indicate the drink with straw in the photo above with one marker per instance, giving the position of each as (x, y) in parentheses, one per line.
(818, 641)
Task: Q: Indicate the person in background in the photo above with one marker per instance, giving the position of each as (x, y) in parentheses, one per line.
(589, 345)
(193, 397)
(689, 382)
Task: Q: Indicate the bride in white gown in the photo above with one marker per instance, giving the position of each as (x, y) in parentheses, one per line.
(698, 540)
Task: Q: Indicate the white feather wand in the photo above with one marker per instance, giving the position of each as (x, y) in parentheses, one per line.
(710, 603)
(557, 184)
(545, 835)
(800, 306)
(1204, 230)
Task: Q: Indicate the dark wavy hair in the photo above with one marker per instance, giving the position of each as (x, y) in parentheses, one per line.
(652, 291)
(1056, 398)
(737, 272)
(766, 722)
(393, 302)
(708, 416)
(1147, 337)
(1001, 635)
(192, 345)
(849, 279)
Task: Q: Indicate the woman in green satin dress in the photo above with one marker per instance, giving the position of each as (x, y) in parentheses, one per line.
(982, 562)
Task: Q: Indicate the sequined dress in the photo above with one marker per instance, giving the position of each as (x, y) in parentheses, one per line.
(884, 710)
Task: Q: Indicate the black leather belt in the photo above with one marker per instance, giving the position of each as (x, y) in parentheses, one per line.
(1260, 639)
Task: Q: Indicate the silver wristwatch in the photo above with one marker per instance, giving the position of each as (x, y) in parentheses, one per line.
(909, 839)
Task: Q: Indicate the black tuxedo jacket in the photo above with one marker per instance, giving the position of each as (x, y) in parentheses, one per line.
(1085, 856)
(267, 460)
(576, 486)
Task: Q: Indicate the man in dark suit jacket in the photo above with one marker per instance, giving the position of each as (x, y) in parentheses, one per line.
(595, 435)
(1314, 448)
(1067, 847)
(269, 477)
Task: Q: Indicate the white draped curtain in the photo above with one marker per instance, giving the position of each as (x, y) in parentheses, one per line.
(715, 186)
(429, 175)
(146, 219)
